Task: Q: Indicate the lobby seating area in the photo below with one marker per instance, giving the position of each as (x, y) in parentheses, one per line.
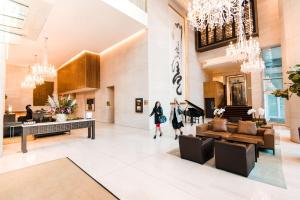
(235, 146)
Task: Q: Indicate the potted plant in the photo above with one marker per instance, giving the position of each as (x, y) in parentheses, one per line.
(62, 107)
(294, 86)
(261, 113)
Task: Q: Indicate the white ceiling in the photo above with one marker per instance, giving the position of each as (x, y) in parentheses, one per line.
(183, 3)
(71, 26)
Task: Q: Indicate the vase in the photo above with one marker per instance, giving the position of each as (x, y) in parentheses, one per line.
(61, 117)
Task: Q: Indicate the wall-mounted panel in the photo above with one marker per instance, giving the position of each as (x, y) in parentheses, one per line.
(81, 74)
(41, 93)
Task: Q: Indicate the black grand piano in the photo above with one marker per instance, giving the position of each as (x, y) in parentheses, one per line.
(194, 112)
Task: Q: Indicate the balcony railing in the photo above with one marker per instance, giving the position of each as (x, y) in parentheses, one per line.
(142, 4)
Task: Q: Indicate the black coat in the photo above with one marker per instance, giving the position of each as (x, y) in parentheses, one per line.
(28, 113)
(157, 112)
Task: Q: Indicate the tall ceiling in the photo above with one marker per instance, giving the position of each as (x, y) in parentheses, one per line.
(183, 3)
(71, 26)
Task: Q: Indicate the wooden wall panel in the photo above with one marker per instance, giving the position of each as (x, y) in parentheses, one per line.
(41, 93)
(82, 73)
(215, 90)
(92, 71)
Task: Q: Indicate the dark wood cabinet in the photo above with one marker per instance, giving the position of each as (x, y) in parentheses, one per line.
(41, 93)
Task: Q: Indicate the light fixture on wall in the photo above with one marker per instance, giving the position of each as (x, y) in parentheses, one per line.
(45, 69)
(211, 13)
(246, 50)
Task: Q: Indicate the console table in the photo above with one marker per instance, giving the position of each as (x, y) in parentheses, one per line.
(53, 127)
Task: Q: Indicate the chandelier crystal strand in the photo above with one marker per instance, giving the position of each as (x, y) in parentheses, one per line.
(246, 51)
(254, 62)
(39, 80)
(44, 70)
(211, 13)
(28, 82)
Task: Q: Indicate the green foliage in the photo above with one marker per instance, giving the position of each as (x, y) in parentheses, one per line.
(294, 88)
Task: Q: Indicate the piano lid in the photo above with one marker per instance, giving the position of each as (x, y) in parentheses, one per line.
(193, 105)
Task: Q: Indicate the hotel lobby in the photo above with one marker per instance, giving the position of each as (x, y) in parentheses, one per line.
(149, 99)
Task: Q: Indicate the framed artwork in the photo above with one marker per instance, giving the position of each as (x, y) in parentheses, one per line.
(236, 90)
(90, 105)
(176, 53)
(139, 105)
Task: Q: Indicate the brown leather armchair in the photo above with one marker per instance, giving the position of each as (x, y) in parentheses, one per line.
(234, 157)
(196, 149)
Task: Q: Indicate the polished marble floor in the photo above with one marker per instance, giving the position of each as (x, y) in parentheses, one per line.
(135, 167)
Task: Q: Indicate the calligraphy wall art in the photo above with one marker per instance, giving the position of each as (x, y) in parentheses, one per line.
(176, 53)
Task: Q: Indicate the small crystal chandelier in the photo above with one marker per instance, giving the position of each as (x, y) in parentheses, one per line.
(44, 70)
(29, 81)
(254, 65)
(211, 13)
(246, 51)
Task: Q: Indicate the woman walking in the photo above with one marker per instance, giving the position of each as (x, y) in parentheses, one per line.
(175, 118)
(157, 112)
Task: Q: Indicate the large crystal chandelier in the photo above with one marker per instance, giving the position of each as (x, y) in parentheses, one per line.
(211, 13)
(44, 70)
(246, 51)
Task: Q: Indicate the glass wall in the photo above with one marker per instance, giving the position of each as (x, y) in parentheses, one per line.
(273, 80)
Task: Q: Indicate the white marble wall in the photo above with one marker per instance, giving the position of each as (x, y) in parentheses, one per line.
(196, 75)
(290, 51)
(81, 102)
(17, 97)
(2, 92)
(158, 55)
(126, 68)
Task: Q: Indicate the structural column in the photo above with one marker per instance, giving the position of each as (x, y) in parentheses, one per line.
(290, 16)
(2, 91)
(257, 90)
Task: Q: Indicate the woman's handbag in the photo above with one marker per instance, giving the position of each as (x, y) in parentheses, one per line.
(162, 119)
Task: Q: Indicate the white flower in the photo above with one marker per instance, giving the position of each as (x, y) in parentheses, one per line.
(221, 111)
(216, 111)
(261, 111)
(251, 111)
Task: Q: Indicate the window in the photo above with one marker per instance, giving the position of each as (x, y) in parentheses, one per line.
(273, 80)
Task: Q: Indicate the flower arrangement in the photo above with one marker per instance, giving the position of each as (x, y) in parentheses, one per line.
(62, 105)
(259, 111)
(251, 112)
(218, 113)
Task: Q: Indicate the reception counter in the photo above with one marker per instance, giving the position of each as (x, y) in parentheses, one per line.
(54, 127)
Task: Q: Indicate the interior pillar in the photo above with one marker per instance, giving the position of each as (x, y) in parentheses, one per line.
(257, 90)
(2, 91)
(290, 16)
